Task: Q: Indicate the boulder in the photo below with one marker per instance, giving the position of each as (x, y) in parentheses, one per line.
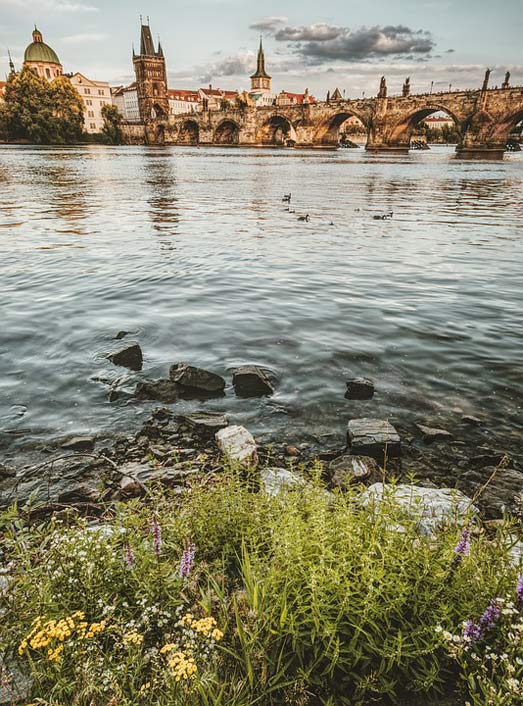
(165, 391)
(238, 445)
(7, 471)
(431, 434)
(373, 437)
(79, 443)
(274, 480)
(130, 356)
(205, 424)
(137, 476)
(502, 489)
(348, 469)
(252, 381)
(16, 683)
(430, 508)
(359, 389)
(196, 382)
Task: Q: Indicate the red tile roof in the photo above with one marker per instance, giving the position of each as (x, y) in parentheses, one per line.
(297, 97)
(182, 95)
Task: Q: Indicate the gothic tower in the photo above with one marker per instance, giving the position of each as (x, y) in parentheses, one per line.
(260, 80)
(151, 78)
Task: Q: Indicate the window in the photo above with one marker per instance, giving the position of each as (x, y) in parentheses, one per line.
(91, 113)
(88, 102)
(101, 93)
(48, 73)
(93, 126)
(87, 91)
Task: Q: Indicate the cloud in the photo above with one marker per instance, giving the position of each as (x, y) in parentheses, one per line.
(53, 5)
(322, 42)
(85, 38)
(240, 64)
(268, 24)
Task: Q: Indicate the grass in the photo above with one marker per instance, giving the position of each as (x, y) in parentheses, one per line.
(319, 600)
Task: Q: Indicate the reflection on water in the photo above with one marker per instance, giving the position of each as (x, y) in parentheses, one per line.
(195, 252)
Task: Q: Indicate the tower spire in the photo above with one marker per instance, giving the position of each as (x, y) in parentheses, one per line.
(11, 64)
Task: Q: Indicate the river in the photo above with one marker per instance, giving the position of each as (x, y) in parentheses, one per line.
(192, 251)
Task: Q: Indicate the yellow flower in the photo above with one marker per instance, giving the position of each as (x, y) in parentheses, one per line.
(132, 638)
(145, 687)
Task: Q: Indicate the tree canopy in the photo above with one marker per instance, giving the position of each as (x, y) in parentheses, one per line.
(41, 112)
(112, 128)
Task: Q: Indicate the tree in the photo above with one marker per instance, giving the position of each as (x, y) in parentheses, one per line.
(112, 128)
(40, 112)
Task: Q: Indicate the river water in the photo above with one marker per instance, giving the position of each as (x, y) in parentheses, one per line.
(193, 251)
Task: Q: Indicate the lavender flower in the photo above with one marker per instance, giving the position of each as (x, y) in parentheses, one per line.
(129, 556)
(463, 546)
(187, 560)
(519, 590)
(156, 531)
(471, 631)
(490, 616)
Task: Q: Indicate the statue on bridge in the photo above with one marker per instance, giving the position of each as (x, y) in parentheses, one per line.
(486, 80)
(506, 82)
(406, 88)
(383, 88)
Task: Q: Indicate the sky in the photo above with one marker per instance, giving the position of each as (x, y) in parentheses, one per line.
(347, 44)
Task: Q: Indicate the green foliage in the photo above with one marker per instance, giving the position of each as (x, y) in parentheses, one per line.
(41, 112)
(112, 128)
(320, 600)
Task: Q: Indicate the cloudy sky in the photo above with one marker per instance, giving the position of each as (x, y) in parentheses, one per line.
(344, 43)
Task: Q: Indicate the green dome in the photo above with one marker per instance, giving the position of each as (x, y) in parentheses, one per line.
(37, 51)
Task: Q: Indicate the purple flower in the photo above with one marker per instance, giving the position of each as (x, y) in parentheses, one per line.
(519, 590)
(156, 531)
(129, 556)
(463, 546)
(472, 631)
(187, 560)
(490, 617)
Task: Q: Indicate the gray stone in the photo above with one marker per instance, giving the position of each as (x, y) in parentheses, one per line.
(7, 471)
(238, 445)
(373, 437)
(359, 389)
(429, 508)
(348, 469)
(473, 421)
(205, 424)
(501, 490)
(252, 381)
(136, 477)
(79, 443)
(431, 434)
(16, 683)
(274, 480)
(196, 382)
(129, 357)
(165, 391)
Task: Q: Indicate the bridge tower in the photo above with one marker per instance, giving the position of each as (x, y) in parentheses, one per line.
(151, 78)
(260, 80)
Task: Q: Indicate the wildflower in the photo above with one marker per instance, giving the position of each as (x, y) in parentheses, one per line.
(462, 548)
(519, 590)
(471, 631)
(157, 536)
(187, 560)
(129, 556)
(490, 616)
(132, 638)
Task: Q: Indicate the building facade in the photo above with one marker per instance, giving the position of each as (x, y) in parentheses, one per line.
(151, 78)
(41, 58)
(182, 101)
(125, 98)
(95, 94)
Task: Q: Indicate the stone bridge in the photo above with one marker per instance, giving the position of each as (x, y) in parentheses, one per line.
(484, 119)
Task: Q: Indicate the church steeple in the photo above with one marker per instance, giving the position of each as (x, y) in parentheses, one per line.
(260, 80)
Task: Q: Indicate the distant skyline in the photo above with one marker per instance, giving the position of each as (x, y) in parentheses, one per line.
(343, 44)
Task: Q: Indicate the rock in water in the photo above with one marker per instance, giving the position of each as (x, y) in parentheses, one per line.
(205, 424)
(196, 382)
(165, 391)
(274, 480)
(129, 357)
(348, 469)
(359, 389)
(238, 445)
(79, 443)
(252, 381)
(431, 434)
(430, 508)
(373, 437)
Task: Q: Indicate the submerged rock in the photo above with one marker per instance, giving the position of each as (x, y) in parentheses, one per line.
(196, 382)
(79, 443)
(129, 357)
(373, 437)
(252, 381)
(348, 469)
(502, 490)
(205, 424)
(431, 434)
(430, 508)
(274, 480)
(165, 391)
(359, 389)
(238, 445)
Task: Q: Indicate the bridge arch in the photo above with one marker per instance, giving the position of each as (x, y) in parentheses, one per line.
(227, 133)
(506, 125)
(189, 133)
(277, 130)
(403, 130)
(330, 130)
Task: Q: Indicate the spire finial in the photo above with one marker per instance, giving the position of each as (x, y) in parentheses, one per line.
(141, 19)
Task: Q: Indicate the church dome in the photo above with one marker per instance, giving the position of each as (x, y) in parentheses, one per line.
(38, 52)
